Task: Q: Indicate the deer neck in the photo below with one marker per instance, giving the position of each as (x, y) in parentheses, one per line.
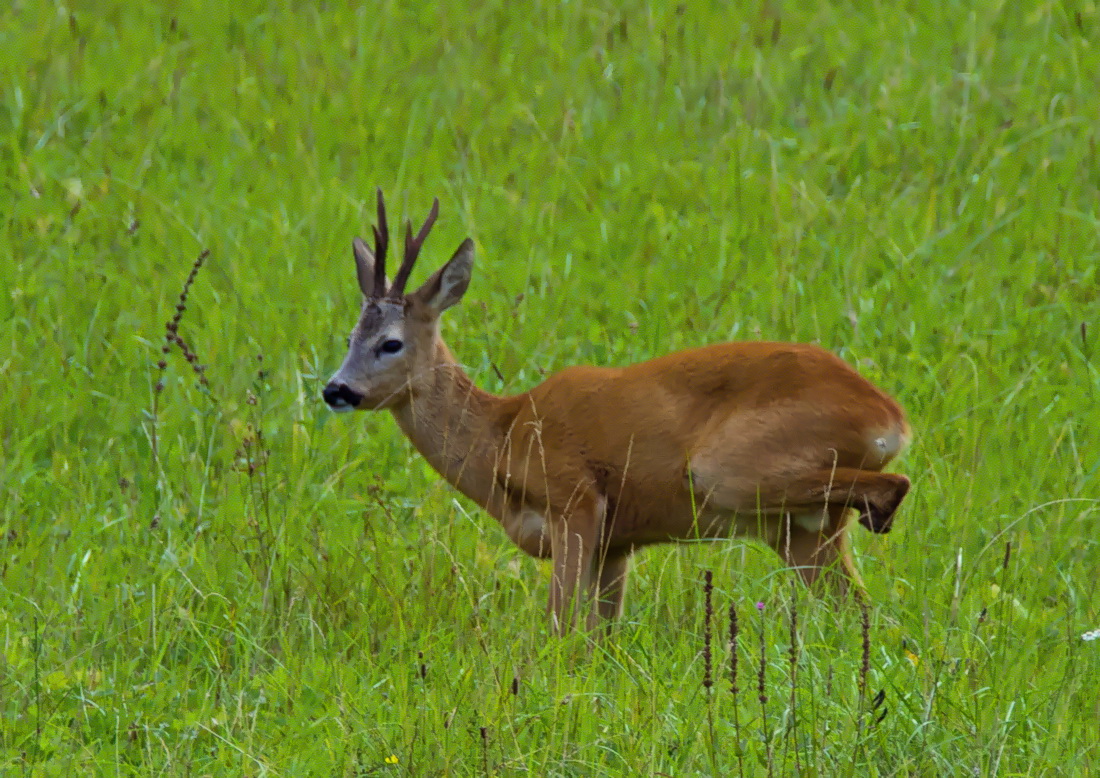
(459, 428)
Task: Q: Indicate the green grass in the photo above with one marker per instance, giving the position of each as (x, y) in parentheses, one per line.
(914, 186)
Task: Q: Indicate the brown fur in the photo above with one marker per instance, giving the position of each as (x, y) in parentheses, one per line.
(773, 441)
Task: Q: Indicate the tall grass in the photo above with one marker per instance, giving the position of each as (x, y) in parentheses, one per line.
(226, 579)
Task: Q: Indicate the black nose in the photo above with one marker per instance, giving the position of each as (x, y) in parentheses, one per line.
(341, 396)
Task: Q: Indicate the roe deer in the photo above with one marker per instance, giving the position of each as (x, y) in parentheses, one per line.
(774, 441)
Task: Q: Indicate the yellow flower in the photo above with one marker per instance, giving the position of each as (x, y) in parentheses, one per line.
(913, 658)
(391, 759)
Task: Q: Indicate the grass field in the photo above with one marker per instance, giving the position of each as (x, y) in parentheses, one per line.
(230, 580)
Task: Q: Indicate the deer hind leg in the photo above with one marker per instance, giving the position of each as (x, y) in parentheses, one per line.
(811, 509)
(875, 495)
(817, 546)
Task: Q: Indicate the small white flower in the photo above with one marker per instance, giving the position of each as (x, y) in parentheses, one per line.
(1093, 635)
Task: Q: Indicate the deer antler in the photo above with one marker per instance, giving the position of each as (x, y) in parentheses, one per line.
(412, 249)
(381, 241)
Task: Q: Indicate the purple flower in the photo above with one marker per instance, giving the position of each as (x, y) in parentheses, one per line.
(760, 606)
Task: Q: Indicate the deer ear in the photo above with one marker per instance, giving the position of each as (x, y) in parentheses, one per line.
(364, 266)
(446, 286)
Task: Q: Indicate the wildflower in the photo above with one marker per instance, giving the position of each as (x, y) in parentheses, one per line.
(1092, 635)
(391, 759)
(913, 658)
(760, 606)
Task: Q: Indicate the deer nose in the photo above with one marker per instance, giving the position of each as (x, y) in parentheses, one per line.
(341, 397)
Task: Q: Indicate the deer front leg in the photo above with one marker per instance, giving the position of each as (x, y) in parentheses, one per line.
(610, 586)
(573, 547)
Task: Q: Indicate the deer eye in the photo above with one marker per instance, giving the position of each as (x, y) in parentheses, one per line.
(391, 346)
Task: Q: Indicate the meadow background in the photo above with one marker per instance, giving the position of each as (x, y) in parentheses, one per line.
(227, 579)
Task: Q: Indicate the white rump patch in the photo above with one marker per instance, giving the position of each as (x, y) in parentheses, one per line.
(889, 443)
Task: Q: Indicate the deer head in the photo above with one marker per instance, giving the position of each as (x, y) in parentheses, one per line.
(393, 347)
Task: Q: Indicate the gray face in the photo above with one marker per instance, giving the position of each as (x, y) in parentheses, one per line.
(393, 345)
(377, 369)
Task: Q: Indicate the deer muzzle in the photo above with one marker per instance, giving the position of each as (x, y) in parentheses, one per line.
(341, 397)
